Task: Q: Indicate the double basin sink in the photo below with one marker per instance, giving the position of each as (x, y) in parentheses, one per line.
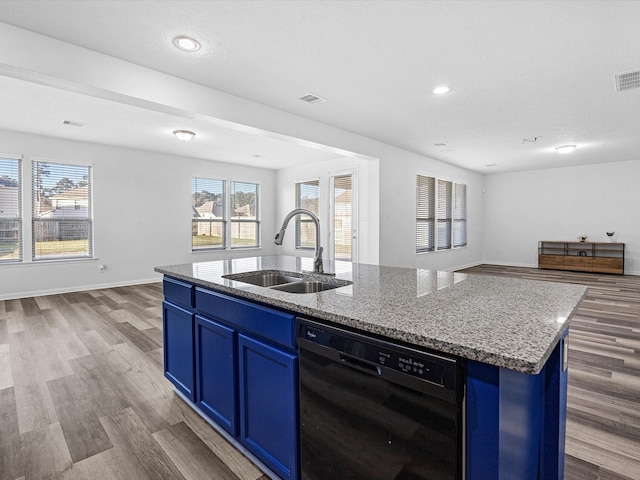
(290, 282)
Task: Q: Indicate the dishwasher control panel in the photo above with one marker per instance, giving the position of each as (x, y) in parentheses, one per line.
(393, 357)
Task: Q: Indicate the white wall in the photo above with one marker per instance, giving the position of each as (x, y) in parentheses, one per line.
(398, 213)
(142, 214)
(368, 184)
(560, 204)
(391, 210)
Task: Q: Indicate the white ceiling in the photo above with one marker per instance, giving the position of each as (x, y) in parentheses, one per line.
(518, 69)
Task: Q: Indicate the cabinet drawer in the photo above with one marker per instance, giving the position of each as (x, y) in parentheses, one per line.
(608, 265)
(180, 293)
(583, 264)
(266, 322)
(551, 261)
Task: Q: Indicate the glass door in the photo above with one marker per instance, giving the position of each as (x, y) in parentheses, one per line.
(344, 224)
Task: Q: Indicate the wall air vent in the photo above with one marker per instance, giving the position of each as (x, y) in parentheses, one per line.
(312, 98)
(627, 81)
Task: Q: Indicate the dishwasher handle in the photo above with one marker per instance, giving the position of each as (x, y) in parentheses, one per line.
(360, 365)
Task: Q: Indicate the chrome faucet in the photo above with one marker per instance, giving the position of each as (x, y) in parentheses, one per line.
(317, 259)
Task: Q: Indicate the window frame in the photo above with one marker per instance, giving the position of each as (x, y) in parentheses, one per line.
(223, 221)
(305, 219)
(240, 220)
(439, 214)
(18, 219)
(69, 222)
(228, 220)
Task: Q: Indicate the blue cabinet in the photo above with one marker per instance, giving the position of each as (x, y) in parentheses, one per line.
(178, 329)
(516, 422)
(243, 365)
(216, 373)
(269, 405)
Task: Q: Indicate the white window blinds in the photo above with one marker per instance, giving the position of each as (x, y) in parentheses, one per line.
(245, 226)
(62, 212)
(208, 212)
(441, 214)
(10, 209)
(425, 213)
(459, 215)
(443, 220)
(307, 197)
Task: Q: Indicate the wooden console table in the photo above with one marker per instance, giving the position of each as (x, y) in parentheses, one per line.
(597, 257)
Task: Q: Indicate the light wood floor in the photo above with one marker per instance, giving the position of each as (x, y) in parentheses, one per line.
(603, 418)
(82, 395)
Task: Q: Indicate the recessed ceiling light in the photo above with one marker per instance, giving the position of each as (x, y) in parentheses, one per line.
(441, 90)
(187, 44)
(184, 135)
(565, 148)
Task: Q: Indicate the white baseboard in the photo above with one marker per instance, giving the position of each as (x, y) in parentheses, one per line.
(82, 288)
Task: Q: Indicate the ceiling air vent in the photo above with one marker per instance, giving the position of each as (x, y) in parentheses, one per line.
(627, 81)
(312, 98)
(72, 123)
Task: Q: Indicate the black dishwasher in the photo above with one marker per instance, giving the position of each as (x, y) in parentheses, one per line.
(374, 410)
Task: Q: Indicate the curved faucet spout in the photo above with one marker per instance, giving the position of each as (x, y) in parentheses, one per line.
(317, 259)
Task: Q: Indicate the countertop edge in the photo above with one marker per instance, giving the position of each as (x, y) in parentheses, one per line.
(495, 359)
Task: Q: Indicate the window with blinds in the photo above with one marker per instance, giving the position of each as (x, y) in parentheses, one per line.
(208, 212)
(10, 209)
(245, 224)
(425, 213)
(343, 217)
(459, 215)
(307, 197)
(62, 224)
(441, 214)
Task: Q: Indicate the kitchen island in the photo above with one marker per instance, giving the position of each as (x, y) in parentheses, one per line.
(510, 333)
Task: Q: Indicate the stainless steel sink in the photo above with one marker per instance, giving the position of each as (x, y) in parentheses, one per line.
(306, 287)
(266, 279)
(290, 282)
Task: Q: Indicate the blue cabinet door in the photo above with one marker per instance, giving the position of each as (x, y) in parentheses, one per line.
(269, 405)
(178, 330)
(216, 373)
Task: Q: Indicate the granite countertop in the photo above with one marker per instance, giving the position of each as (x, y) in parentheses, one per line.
(508, 323)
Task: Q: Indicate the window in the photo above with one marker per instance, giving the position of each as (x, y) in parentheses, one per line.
(208, 223)
(425, 214)
(441, 214)
(222, 216)
(62, 214)
(443, 217)
(245, 227)
(10, 210)
(307, 197)
(459, 215)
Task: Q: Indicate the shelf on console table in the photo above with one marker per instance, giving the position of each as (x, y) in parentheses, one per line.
(597, 257)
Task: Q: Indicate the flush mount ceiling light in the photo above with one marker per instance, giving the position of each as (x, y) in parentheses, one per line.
(187, 44)
(184, 135)
(441, 90)
(565, 148)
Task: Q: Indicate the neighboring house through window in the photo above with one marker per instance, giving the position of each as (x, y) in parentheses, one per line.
(245, 224)
(208, 223)
(62, 212)
(441, 214)
(10, 209)
(224, 214)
